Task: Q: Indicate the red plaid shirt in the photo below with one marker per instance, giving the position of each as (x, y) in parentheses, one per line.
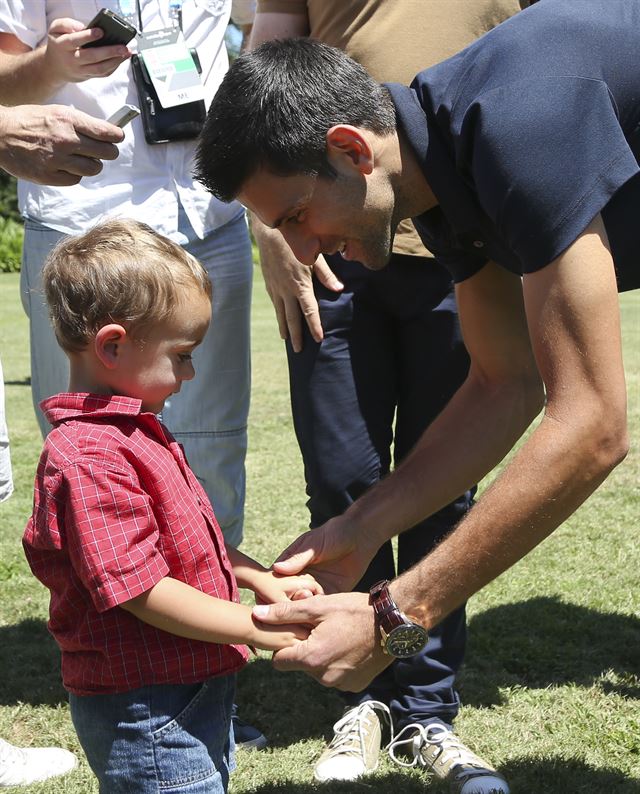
(116, 509)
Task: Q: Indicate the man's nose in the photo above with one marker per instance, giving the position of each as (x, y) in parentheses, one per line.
(304, 246)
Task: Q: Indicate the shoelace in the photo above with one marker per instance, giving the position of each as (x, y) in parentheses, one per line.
(348, 729)
(451, 749)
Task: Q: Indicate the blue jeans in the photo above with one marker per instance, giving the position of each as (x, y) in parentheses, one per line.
(163, 738)
(391, 358)
(209, 415)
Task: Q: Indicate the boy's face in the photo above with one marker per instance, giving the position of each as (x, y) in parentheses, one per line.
(153, 368)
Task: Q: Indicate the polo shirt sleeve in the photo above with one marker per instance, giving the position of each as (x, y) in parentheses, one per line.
(111, 532)
(545, 156)
(25, 19)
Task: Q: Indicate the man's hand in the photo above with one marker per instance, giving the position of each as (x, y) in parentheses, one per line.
(270, 587)
(66, 62)
(342, 650)
(53, 144)
(335, 557)
(290, 285)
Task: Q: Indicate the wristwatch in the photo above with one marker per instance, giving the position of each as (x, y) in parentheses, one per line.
(401, 636)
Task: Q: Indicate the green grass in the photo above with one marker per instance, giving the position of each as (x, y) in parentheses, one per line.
(551, 687)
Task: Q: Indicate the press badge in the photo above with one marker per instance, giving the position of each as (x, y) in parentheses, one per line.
(171, 67)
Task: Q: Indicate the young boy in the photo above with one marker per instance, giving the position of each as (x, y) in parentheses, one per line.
(144, 602)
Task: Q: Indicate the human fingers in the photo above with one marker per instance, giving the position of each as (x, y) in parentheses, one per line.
(101, 61)
(288, 612)
(297, 556)
(71, 34)
(305, 587)
(311, 584)
(311, 312)
(91, 130)
(68, 26)
(302, 593)
(56, 178)
(99, 150)
(293, 322)
(79, 166)
(326, 276)
(281, 317)
(292, 658)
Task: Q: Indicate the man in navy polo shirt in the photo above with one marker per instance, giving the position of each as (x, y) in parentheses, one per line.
(516, 157)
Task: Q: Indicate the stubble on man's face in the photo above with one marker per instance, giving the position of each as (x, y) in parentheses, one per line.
(369, 209)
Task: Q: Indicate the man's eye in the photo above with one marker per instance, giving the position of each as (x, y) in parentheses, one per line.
(297, 218)
(184, 356)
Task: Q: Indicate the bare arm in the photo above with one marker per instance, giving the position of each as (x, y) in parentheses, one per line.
(178, 608)
(54, 145)
(573, 317)
(477, 428)
(32, 76)
(267, 585)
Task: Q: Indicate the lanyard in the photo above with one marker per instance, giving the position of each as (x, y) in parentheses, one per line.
(175, 12)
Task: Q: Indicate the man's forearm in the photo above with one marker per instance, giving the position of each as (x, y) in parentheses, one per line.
(475, 431)
(25, 78)
(550, 477)
(573, 320)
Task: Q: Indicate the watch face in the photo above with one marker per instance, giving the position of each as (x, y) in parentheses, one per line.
(405, 641)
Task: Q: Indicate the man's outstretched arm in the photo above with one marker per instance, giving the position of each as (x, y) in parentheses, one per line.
(573, 319)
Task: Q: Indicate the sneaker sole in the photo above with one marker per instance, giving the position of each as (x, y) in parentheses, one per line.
(345, 779)
(255, 744)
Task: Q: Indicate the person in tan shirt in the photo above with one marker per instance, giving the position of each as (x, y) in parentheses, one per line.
(375, 359)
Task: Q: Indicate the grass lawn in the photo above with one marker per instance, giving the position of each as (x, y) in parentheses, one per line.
(551, 687)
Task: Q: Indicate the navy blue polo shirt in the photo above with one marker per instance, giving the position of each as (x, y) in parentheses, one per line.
(527, 134)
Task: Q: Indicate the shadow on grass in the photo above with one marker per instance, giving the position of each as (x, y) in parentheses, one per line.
(546, 642)
(287, 707)
(535, 644)
(29, 665)
(525, 776)
(24, 382)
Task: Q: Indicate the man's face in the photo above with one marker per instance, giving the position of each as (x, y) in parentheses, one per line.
(350, 215)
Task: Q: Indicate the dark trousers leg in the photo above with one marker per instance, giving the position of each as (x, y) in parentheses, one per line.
(391, 358)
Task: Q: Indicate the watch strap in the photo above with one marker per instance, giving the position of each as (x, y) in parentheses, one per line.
(388, 615)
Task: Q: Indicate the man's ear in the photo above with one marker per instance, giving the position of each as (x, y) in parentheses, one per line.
(108, 344)
(352, 142)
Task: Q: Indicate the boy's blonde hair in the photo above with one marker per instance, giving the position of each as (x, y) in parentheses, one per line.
(119, 271)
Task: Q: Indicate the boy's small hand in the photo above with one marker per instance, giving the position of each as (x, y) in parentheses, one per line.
(272, 587)
(275, 638)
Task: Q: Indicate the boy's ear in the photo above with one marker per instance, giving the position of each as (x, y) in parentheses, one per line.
(345, 140)
(108, 344)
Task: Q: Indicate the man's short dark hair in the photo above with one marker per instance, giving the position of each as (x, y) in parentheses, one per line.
(273, 110)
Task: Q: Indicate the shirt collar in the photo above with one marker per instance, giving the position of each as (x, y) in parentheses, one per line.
(82, 405)
(435, 159)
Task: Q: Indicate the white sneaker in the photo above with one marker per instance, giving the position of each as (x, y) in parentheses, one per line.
(22, 766)
(438, 749)
(355, 746)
